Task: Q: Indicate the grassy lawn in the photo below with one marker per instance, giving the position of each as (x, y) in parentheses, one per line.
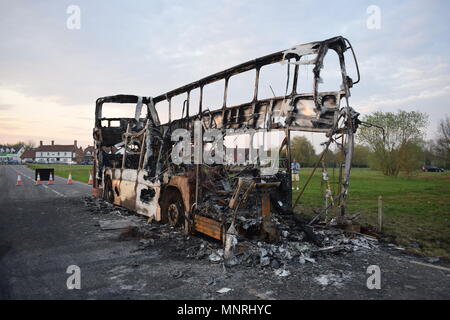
(416, 208)
(79, 172)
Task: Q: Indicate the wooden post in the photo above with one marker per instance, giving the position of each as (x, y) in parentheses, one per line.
(380, 213)
(288, 169)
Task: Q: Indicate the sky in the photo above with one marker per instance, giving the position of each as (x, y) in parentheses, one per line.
(51, 75)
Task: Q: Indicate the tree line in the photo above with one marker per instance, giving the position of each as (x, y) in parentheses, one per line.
(26, 145)
(389, 142)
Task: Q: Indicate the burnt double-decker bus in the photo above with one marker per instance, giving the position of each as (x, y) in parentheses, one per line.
(137, 159)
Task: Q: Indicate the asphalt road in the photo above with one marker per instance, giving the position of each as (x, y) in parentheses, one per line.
(30, 191)
(45, 229)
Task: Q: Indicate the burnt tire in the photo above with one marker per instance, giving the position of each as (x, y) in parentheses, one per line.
(172, 208)
(108, 193)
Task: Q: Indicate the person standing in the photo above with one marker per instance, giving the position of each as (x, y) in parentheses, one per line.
(295, 170)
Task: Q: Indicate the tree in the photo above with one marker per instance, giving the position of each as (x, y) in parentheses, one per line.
(393, 149)
(303, 151)
(429, 152)
(26, 145)
(442, 147)
(411, 156)
(330, 158)
(361, 154)
(30, 145)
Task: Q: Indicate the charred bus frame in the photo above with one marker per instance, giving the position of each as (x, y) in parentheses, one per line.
(144, 180)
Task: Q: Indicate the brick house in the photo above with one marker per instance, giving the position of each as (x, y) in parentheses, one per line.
(28, 156)
(89, 154)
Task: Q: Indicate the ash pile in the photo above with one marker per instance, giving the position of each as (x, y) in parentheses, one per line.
(133, 226)
(99, 206)
(275, 241)
(295, 246)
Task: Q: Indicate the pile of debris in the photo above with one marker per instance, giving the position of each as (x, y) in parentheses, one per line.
(294, 248)
(99, 206)
(298, 245)
(135, 226)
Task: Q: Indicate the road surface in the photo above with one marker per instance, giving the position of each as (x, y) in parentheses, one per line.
(46, 229)
(30, 191)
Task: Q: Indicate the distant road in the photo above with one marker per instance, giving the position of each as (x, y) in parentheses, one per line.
(29, 191)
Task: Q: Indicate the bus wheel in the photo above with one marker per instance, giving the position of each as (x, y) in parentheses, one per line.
(173, 211)
(108, 193)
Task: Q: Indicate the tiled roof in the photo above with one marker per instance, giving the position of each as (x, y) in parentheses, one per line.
(89, 149)
(57, 148)
(31, 153)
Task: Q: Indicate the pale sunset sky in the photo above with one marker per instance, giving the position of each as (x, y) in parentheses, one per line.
(50, 75)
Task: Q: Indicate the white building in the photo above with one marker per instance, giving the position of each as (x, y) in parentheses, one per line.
(8, 154)
(58, 153)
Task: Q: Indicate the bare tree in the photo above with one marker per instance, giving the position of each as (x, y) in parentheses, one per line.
(443, 141)
(30, 145)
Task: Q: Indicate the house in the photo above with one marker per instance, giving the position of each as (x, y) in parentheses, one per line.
(56, 153)
(28, 156)
(10, 154)
(89, 154)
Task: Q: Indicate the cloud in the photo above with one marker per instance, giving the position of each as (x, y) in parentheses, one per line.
(50, 76)
(416, 99)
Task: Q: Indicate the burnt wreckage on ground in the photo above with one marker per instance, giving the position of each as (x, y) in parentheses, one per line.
(133, 165)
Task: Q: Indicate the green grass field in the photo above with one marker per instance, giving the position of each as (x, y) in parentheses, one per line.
(79, 172)
(416, 209)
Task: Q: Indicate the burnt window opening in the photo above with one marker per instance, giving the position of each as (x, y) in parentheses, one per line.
(305, 79)
(330, 73)
(194, 102)
(162, 108)
(273, 80)
(147, 195)
(212, 98)
(241, 88)
(122, 110)
(351, 67)
(107, 123)
(178, 107)
(132, 154)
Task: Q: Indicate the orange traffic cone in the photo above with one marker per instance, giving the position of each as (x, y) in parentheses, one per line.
(90, 178)
(38, 180)
(69, 180)
(19, 180)
(50, 179)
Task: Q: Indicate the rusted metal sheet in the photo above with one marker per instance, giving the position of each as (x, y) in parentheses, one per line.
(209, 227)
(265, 205)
